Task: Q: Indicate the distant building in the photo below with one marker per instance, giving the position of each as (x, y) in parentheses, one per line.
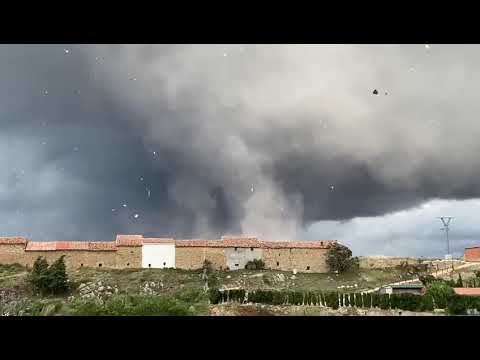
(418, 289)
(472, 254)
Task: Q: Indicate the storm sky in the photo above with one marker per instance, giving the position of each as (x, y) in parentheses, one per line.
(276, 141)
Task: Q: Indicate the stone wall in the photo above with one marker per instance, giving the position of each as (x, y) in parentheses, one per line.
(12, 253)
(76, 258)
(192, 257)
(237, 258)
(299, 259)
(128, 257)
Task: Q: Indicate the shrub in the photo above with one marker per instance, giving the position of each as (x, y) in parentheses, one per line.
(358, 300)
(207, 266)
(457, 305)
(384, 301)
(459, 281)
(427, 279)
(46, 279)
(339, 258)
(341, 299)
(441, 293)
(347, 299)
(215, 296)
(255, 264)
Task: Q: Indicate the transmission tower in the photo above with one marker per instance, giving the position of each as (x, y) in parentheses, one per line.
(446, 222)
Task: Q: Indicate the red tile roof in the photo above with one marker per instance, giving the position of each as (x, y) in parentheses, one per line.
(12, 240)
(158, 241)
(314, 244)
(129, 240)
(468, 291)
(70, 246)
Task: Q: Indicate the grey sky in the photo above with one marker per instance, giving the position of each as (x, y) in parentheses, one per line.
(239, 138)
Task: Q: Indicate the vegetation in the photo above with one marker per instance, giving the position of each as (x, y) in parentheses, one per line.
(339, 259)
(441, 293)
(255, 264)
(48, 280)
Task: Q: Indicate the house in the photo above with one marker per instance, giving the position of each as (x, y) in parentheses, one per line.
(417, 289)
(472, 254)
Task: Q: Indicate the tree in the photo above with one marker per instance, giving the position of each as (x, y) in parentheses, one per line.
(38, 277)
(459, 281)
(339, 259)
(57, 277)
(441, 293)
(51, 279)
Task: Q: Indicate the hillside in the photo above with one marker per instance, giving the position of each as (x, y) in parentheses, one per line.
(184, 287)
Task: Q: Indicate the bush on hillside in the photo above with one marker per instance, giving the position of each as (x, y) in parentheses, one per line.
(441, 293)
(339, 259)
(255, 264)
(45, 279)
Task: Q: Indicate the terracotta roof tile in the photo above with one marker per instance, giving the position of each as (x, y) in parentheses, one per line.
(12, 240)
(314, 244)
(467, 291)
(158, 241)
(129, 240)
(71, 245)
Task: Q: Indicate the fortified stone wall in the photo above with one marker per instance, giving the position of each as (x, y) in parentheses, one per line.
(13, 253)
(128, 257)
(191, 258)
(378, 262)
(303, 260)
(75, 258)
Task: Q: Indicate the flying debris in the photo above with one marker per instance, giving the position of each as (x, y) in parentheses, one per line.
(45, 92)
(251, 189)
(386, 93)
(75, 149)
(332, 187)
(148, 192)
(154, 153)
(427, 47)
(66, 51)
(44, 143)
(136, 216)
(224, 54)
(375, 92)
(141, 178)
(133, 79)
(124, 205)
(113, 210)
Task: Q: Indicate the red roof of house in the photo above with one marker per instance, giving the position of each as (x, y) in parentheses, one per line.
(12, 240)
(468, 291)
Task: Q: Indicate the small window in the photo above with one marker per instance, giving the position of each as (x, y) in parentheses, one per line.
(81, 265)
(128, 264)
(251, 249)
(149, 265)
(131, 252)
(100, 265)
(308, 267)
(164, 264)
(278, 264)
(235, 249)
(236, 264)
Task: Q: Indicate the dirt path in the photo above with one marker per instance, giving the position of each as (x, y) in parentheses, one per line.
(435, 274)
(14, 275)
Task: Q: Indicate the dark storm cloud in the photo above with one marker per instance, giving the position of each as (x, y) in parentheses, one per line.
(253, 139)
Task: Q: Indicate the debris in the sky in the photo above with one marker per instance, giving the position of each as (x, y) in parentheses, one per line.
(427, 46)
(148, 192)
(75, 149)
(136, 216)
(141, 178)
(375, 92)
(332, 187)
(45, 92)
(225, 54)
(44, 143)
(133, 79)
(251, 189)
(113, 210)
(66, 51)
(124, 205)
(154, 153)
(386, 93)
